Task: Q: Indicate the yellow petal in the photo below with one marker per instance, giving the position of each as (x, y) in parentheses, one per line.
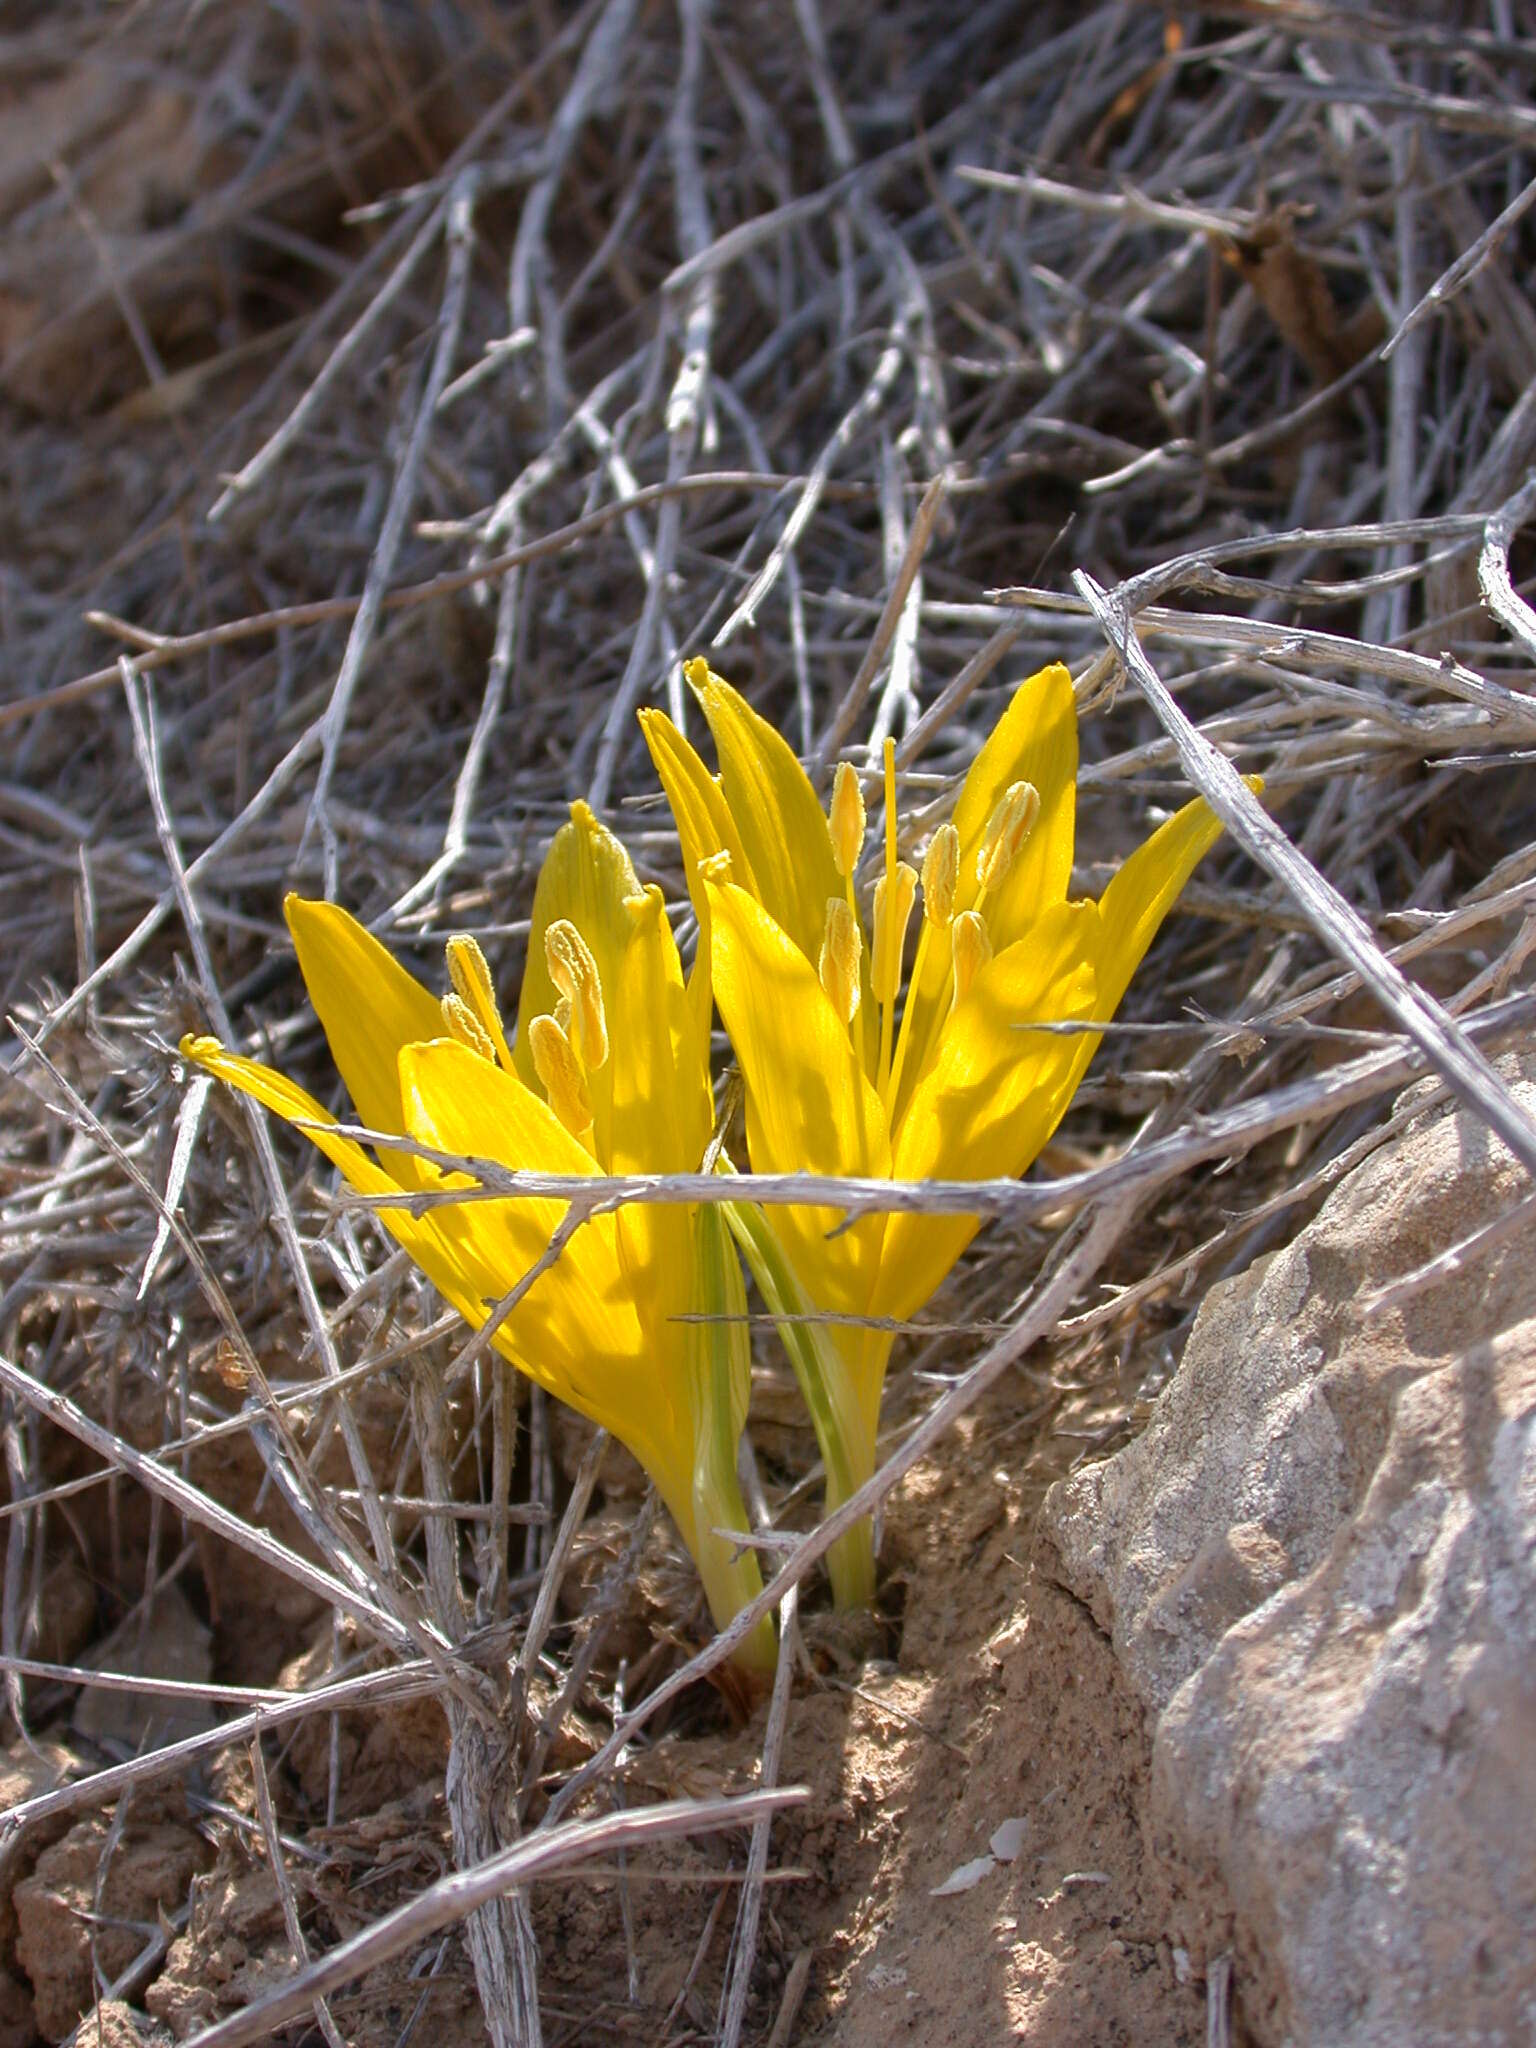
(705, 827)
(586, 880)
(662, 1109)
(423, 1237)
(369, 1006)
(704, 823)
(576, 1330)
(809, 1107)
(1145, 889)
(994, 1091)
(782, 826)
(1035, 741)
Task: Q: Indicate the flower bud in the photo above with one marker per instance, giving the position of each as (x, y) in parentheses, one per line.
(1007, 829)
(895, 895)
(560, 1075)
(838, 966)
(846, 819)
(973, 949)
(941, 871)
(574, 972)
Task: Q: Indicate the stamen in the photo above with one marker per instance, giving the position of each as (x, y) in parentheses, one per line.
(574, 972)
(1007, 829)
(895, 895)
(472, 984)
(846, 819)
(941, 871)
(838, 966)
(973, 949)
(560, 1075)
(465, 1026)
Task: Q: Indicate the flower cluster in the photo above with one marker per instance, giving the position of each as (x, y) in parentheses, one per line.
(639, 1323)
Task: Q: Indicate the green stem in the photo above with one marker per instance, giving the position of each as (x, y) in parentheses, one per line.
(829, 1393)
(722, 1363)
(731, 1576)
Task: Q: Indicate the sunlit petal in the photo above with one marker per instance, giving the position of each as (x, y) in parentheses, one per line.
(994, 1091)
(782, 826)
(809, 1105)
(577, 1332)
(662, 1111)
(1035, 742)
(1144, 890)
(705, 827)
(423, 1237)
(369, 1007)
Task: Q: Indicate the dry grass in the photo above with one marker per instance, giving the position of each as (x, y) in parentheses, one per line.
(416, 386)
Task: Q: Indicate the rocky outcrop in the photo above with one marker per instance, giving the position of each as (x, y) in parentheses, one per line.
(1318, 1569)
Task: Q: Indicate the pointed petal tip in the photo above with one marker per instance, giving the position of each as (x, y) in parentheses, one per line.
(316, 917)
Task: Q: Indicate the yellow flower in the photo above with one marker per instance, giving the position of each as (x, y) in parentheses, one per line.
(965, 1090)
(608, 1074)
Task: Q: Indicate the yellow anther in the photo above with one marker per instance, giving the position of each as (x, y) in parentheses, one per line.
(973, 949)
(574, 972)
(1007, 829)
(895, 895)
(839, 962)
(846, 820)
(560, 1075)
(472, 985)
(465, 1026)
(716, 868)
(941, 871)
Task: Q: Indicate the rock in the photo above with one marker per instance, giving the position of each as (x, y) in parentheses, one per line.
(1318, 1569)
(235, 1948)
(26, 1769)
(149, 1866)
(112, 2024)
(167, 1642)
(66, 1616)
